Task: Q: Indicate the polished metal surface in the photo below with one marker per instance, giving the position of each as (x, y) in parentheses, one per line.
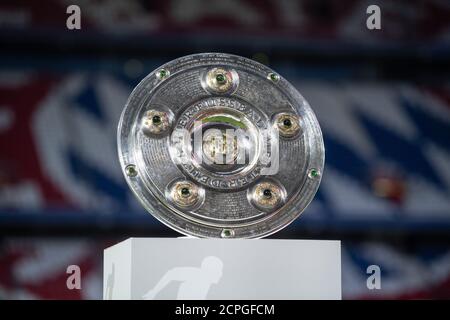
(216, 145)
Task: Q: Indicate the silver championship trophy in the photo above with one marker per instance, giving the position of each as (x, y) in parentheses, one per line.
(219, 146)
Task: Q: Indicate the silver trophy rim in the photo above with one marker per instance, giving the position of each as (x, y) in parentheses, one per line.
(189, 227)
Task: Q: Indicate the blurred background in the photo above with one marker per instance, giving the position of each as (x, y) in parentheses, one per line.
(382, 98)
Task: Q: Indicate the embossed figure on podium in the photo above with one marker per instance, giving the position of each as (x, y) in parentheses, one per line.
(194, 282)
(110, 283)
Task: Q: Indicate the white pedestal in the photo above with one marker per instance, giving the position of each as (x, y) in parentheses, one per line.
(189, 268)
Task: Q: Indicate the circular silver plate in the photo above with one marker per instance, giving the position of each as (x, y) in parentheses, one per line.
(217, 145)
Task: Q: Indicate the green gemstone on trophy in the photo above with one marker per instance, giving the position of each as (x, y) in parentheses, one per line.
(163, 73)
(156, 120)
(313, 173)
(220, 78)
(185, 192)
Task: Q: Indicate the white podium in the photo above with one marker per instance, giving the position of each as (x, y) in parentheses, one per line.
(189, 268)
